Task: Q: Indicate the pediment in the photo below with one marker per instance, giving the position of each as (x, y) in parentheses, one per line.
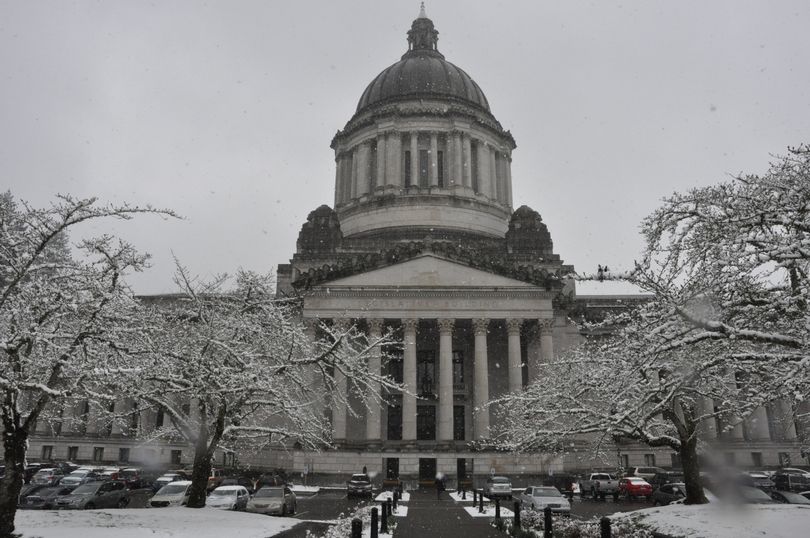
(427, 270)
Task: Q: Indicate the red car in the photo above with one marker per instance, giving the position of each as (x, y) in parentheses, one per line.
(635, 487)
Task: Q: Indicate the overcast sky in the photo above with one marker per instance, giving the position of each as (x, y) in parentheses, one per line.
(224, 110)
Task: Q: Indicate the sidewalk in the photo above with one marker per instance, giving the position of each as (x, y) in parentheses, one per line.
(429, 517)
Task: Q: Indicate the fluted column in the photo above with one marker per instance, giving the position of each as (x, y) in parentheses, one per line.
(393, 161)
(757, 425)
(341, 396)
(507, 165)
(495, 192)
(481, 374)
(364, 153)
(457, 157)
(546, 339)
(446, 379)
(382, 155)
(434, 159)
(484, 182)
(373, 428)
(466, 153)
(513, 342)
(338, 179)
(409, 379)
(414, 158)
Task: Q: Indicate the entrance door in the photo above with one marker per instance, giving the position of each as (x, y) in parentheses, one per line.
(427, 469)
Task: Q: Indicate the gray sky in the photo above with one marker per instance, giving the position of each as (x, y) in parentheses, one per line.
(224, 110)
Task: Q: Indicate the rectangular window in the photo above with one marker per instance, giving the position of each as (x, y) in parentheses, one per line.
(394, 421)
(440, 167)
(458, 371)
(47, 452)
(407, 168)
(756, 459)
(159, 417)
(176, 457)
(458, 422)
(649, 460)
(228, 459)
(98, 453)
(425, 422)
(391, 468)
(426, 373)
(424, 168)
(625, 461)
(123, 455)
(675, 459)
(395, 367)
(84, 417)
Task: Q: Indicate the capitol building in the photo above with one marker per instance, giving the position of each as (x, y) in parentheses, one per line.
(425, 241)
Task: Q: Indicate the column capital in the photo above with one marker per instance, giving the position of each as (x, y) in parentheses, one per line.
(446, 325)
(513, 325)
(410, 324)
(375, 325)
(545, 325)
(480, 326)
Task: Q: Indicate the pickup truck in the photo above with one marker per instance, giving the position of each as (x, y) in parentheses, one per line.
(599, 485)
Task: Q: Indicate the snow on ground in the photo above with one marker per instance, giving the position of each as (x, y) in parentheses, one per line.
(306, 489)
(457, 497)
(726, 521)
(385, 495)
(153, 522)
(489, 511)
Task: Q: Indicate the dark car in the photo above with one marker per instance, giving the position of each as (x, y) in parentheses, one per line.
(31, 469)
(44, 498)
(666, 477)
(30, 489)
(239, 481)
(785, 481)
(667, 493)
(359, 484)
(564, 482)
(756, 480)
(789, 497)
(131, 477)
(109, 494)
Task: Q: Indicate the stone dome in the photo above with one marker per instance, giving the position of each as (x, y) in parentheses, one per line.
(423, 73)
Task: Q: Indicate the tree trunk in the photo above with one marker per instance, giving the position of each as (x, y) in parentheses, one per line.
(15, 444)
(691, 471)
(201, 469)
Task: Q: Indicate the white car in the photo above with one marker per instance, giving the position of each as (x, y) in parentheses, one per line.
(538, 497)
(172, 494)
(228, 498)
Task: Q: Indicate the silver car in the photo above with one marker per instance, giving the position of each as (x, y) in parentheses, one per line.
(273, 500)
(539, 497)
(498, 487)
(228, 498)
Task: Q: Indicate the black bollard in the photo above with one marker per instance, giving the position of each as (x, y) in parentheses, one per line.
(463, 493)
(357, 528)
(604, 527)
(480, 502)
(475, 497)
(547, 530)
(497, 509)
(374, 532)
(394, 503)
(517, 514)
(384, 519)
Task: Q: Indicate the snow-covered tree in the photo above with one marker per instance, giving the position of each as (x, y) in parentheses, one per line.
(246, 367)
(725, 331)
(60, 317)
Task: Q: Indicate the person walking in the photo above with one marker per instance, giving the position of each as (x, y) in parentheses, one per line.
(439, 488)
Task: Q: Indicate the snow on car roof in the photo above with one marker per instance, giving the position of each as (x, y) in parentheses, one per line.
(230, 488)
(636, 479)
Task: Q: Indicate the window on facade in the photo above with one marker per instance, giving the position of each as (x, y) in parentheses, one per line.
(675, 461)
(458, 370)
(395, 368)
(407, 168)
(458, 422)
(440, 167)
(392, 468)
(649, 460)
(229, 459)
(47, 452)
(756, 459)
(176, 457)
(424, 167)
(774, 430)
(123, 455)
(394, 421)
(372, 165)
(159, 417)
(73, 453)
(625, 461)
(426, 373)
(474, 167)
(84, 418)
(425, 422)
(134, 420)
(98, 453)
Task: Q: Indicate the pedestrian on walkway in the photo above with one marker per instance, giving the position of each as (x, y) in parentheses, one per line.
(439, 487)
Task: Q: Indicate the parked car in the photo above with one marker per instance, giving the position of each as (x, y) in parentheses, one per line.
(598, 485)
(131, 477)
(635, 486)
(750, 495)
(789, 497)
(666, 477)
(45, 498)
(243, 481)
(79, 477)
(567, 483)
(498, 487)
(216, 478)
(165, 479)
(273, 500)
(647, 473)
(47, 476)
(790, 481)
(539, 497)
(30, 489)
(756, 480)
(109, 494)
(668, 493)
(795, 471)
(359, 484)
(805, 494)
(228, 498)
(172, 494)
(30, 470)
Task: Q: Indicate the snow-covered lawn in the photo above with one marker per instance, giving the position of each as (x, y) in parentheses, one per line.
(489, 511)
(305, 490)
(152, 522)
(726, 521)
(385, 495)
